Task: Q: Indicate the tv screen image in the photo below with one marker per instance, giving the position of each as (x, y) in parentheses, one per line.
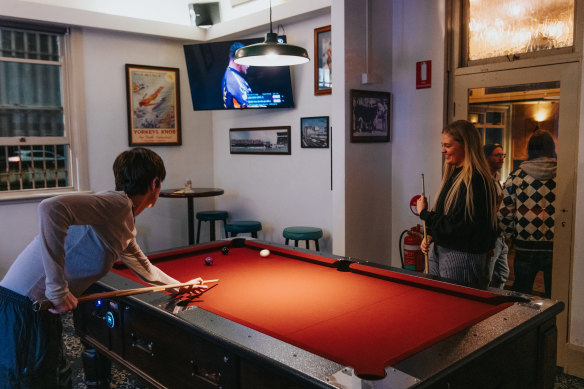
(218, 84)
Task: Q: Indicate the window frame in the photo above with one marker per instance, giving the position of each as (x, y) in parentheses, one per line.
(73, 115)
(458, 24)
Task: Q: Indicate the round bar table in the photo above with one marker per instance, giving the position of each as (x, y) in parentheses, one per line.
(190, 195)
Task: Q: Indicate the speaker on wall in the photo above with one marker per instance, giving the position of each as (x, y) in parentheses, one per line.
(204, 15)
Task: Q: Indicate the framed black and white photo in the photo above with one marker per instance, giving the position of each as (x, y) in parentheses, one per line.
(370, 116)
(314, 132)
(260, 140)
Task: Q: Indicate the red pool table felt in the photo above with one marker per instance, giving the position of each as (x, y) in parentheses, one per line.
(367, 318)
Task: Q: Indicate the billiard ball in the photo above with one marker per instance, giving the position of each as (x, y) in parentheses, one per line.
(225, 250)
(264, 253)
(208, 261)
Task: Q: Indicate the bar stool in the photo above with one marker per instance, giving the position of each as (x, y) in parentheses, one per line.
(211, 217)
(243, 226)
(303, 233)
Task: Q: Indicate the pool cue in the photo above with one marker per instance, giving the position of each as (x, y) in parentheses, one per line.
(47, 304)
(424, 224)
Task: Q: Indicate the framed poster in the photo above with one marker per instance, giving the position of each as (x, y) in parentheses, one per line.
(153, 96)
(260, 140)
(370, 116)
(323, 63)
(314, 132)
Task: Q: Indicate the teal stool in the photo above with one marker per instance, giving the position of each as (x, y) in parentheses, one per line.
(303, 233)
(244, 226)
(211, 217)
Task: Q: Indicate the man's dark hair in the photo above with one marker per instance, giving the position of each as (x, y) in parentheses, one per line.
(135, 169)
(489, 148)
(541, 144)
(234, 47)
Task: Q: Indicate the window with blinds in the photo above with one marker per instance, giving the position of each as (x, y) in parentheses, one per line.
(34, 141)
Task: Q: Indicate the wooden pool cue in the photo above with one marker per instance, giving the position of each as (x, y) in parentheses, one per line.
(47, 304)
(424, 224)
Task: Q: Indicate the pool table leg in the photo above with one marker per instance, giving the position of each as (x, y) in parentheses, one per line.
(97, 368)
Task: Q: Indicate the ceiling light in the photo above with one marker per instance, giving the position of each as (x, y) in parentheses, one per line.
(271, 52)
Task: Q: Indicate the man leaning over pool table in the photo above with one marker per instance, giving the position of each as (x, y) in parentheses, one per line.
(80, 237)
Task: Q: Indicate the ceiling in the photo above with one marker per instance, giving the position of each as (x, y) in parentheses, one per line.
(167, 19)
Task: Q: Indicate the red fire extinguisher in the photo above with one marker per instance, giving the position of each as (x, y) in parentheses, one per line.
(412, 257)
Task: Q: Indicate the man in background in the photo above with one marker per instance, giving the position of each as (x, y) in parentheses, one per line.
(527, 213)
(498, 265)
(235, 87)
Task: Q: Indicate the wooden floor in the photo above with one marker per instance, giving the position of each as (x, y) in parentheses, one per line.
(538, 285)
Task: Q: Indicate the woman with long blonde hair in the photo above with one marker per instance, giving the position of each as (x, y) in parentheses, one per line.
(463, 222)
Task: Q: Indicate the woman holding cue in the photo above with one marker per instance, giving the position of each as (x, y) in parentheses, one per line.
(462, 224)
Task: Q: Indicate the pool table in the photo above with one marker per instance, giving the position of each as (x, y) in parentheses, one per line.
(304, 319)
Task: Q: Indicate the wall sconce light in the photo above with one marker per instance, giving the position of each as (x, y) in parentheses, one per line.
(204, 15)
(541, 112)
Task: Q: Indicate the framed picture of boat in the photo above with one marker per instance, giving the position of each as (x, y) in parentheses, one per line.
(153, 105)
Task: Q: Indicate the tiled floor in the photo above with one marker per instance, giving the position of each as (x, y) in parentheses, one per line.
(564, 381)
(124, 380)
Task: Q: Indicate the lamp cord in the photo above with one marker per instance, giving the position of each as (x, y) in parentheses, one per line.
(271, 31)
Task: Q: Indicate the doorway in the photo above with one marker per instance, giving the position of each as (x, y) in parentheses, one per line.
(508, 116)
(507, 106)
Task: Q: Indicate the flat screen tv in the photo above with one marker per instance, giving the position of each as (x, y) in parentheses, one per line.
(217, 86)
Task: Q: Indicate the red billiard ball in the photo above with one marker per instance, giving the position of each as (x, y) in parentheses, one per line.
(208, 261)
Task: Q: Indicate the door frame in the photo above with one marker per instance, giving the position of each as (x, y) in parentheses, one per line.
(567, 74)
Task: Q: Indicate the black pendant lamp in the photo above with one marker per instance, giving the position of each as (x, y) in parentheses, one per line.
(270, 52)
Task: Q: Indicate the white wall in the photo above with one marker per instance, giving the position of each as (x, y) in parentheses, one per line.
(368, 166)
(279, 190)
(165, 225)
(418, 35)
(338, 125)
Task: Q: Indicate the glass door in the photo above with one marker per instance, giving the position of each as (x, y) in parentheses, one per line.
(507, 107)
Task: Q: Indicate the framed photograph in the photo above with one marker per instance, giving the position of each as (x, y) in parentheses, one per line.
(323, 63)
(260, 140)
(153, 105)
(314, 132)
(370, 116)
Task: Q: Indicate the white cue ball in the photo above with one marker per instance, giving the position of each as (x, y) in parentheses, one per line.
(264, 253)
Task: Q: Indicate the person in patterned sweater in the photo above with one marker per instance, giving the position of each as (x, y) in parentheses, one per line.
(527, 213)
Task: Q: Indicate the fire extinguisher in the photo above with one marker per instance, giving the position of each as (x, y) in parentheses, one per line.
(412, 257)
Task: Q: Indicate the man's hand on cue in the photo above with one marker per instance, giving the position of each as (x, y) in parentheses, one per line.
(68, 304)
(196, 287)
